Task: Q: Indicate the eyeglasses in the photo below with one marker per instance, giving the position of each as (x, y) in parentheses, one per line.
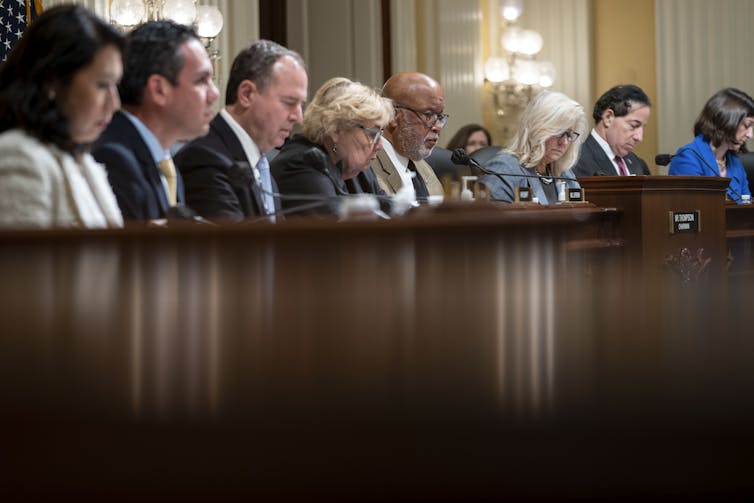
(373, 134)
(428, 118)
(570, 136)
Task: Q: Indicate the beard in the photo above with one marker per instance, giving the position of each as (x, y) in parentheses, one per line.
(411, 143)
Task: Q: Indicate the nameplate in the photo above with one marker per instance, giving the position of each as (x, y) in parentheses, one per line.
(685, 221)
(575, 195)
(523, 194)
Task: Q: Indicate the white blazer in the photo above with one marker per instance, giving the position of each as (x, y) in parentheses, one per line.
(42, 186)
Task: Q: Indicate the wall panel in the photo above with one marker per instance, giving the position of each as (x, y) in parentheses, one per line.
(701, 47)
(337, 38)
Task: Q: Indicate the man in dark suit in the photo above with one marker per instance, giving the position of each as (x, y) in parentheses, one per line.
(225, 174)
(620, 116)
(167, 94)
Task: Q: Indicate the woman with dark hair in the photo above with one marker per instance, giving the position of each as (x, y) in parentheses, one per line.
(721, 133)
(471, 138)
(58, 91)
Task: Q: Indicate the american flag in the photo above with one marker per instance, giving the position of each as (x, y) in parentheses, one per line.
(14, 16)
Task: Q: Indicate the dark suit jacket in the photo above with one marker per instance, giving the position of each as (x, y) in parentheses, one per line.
(133, 174)
(304, 168)
(594, 162)
(219, 179)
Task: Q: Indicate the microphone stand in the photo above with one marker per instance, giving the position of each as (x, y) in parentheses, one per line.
(459, 156)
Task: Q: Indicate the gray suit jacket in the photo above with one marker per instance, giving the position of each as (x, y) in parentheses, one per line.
(512, 175)
(390, 180)
(594, 162)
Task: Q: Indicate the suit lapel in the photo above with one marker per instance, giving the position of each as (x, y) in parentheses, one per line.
(393, 178)
(225, 135)
(603, 162)
(149, 168)
(434, 187)
(633, 164)
(630, 165)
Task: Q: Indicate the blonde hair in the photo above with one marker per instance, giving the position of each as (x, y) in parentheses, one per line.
(341, 104)
(548, 114)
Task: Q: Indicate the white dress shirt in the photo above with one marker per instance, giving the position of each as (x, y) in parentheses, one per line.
(250, 149)
(401, 165)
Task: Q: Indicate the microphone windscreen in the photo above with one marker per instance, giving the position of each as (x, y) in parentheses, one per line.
(663, 159)
(459, 156)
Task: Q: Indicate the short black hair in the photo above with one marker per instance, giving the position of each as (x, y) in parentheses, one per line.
(722, 114)
(255, 64)
(35, 78)
(153, 48)
(619, 99)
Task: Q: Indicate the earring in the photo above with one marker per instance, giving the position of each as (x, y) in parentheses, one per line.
(335, 148)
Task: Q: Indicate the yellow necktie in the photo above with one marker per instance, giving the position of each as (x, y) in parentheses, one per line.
(168, 170)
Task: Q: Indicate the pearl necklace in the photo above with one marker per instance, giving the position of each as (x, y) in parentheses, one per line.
(547, 176)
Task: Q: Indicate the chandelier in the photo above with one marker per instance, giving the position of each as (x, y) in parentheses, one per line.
(207, 20)
(517, 76)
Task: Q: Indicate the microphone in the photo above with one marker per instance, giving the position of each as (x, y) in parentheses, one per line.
(241, 175)
(663, 159)
(459, 156)
(182, 212)
(347, 203)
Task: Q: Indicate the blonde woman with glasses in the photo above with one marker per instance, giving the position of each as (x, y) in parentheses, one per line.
(545, 147)
(341, 134)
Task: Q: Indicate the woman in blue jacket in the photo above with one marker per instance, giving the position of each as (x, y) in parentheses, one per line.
(721, 133)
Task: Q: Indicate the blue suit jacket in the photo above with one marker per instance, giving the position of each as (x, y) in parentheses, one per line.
(133, 174)
(697, 159)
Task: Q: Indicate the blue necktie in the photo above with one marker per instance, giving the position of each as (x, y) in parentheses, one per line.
(264, 174)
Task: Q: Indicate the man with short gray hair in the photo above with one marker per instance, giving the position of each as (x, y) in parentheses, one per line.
(225, 173)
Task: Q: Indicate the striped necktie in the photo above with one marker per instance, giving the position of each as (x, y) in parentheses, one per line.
(621, 166)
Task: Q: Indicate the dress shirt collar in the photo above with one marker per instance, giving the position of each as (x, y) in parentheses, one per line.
(250, 149)
(608, 151)
(400, 162)
(153, 144)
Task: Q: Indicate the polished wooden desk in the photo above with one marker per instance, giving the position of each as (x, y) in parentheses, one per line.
(739, 233)
(451, 355)
(648, 204)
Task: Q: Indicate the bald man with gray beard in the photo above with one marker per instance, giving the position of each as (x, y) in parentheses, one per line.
(410, 137)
